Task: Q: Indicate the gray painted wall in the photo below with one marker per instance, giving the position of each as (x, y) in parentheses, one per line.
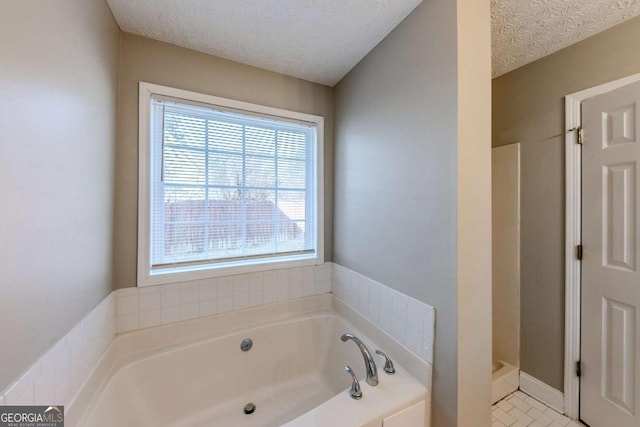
(147, 60)
(395, 175)
(58, 80)
(528, 106)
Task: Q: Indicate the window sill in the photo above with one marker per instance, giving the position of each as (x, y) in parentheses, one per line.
(187, 273)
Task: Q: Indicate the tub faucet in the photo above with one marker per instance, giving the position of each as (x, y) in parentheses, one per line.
(355, 392)
(369, 363)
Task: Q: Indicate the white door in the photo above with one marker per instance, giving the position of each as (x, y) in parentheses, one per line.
(610, 354)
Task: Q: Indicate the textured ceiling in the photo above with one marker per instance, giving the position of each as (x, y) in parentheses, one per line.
(526, 30)
(317, 40)
(321, 40)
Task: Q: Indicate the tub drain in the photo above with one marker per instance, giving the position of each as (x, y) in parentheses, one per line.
(249, 408)
(246, 344)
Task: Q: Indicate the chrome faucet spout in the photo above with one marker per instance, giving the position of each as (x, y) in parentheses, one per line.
(369, 363)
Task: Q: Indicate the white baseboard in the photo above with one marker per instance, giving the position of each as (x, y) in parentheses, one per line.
(541, 391)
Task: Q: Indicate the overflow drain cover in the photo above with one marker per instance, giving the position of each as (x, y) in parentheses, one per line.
(249, 408)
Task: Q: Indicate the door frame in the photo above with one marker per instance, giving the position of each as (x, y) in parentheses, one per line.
(573, 236)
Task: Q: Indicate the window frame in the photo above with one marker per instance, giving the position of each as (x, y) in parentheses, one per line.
(146, 276)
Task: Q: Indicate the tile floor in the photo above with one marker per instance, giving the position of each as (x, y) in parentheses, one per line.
(519, 409)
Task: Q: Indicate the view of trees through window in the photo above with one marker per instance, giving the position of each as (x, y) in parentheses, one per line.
(230, 187)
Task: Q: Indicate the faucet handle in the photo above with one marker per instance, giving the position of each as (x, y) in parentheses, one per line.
(388, 364)
(355, 392)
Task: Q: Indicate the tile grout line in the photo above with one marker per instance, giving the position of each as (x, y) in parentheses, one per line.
(519, 409)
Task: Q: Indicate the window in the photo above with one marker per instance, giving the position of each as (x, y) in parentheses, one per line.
(225, 186)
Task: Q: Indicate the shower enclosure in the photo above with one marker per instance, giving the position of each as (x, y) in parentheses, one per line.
(506, 269)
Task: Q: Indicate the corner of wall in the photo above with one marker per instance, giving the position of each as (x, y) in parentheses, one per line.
(474, 213)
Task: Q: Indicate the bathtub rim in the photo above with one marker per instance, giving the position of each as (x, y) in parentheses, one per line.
(127, 348)
(504, 381)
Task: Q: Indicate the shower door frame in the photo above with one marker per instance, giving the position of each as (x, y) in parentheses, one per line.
(573, 236)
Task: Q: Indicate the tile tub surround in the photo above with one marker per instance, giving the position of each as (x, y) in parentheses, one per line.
(57, 376)
(407, 320)
(140, 308)
(129, 348)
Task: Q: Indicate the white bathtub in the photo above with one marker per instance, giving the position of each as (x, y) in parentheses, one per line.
(194, 373)
(505, 380)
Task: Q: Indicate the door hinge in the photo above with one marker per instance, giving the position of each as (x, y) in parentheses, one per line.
(578, 369)
(579, 252)
(578, 131)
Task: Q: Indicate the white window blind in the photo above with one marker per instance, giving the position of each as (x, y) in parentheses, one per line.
(229, 186)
